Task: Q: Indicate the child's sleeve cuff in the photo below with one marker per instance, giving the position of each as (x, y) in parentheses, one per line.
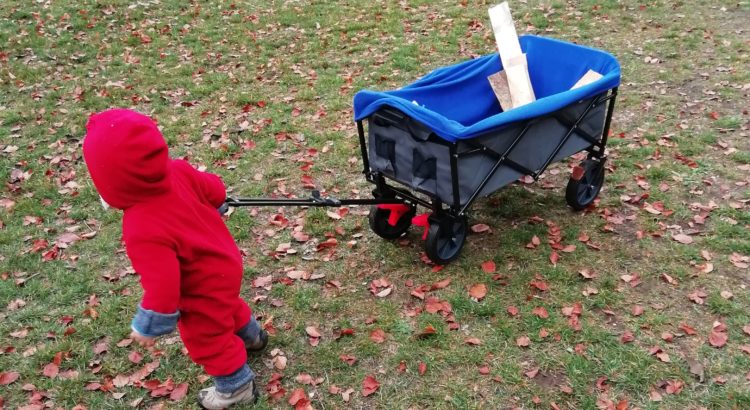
(153, 324)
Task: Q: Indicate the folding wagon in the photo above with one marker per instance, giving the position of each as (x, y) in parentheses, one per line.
(443, 141)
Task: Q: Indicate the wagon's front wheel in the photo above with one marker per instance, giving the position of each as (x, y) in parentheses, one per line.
(445, 238)
(381, 226)
(582, 192)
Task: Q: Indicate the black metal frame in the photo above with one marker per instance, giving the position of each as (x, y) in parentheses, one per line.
(596, 150)
(389, 194)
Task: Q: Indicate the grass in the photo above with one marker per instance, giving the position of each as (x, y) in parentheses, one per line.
(255, 91)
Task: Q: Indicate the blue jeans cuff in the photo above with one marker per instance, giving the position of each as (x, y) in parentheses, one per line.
(233, 382)
(250, 332)
(153, 324)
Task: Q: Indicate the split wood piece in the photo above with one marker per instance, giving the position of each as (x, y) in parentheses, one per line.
(499, 83)
(587, 78)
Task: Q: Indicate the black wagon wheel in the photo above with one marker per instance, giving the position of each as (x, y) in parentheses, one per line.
(581, 193)
(445, 238)
(379, 222)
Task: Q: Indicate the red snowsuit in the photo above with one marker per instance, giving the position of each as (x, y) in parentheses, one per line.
(175, 238)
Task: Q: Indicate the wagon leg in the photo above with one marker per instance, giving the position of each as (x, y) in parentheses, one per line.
(588, 177)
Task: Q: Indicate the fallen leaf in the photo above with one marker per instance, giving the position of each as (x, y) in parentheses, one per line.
(587, 273)
(636, 310)
(51, 370)
(682, 238)
(369, 385)
(512, 310)
(523, 341)
(401, 366)
(377, 336)
(726, 294)
(422, 367)
(479, 228)
(554, 257)
(312, 331)
(16, 304)
(179, 392)
(568, 248)
(121, 380)
(7, 378)
(663, 356)
(532, 373)
(590, 291)
(601, 383)
(125, 342)
(534, 242)
(698, 296)
(674, 386)
(632, 279)
(348, 359)
(690, 331)
(740, 261)
(717, 338)
(669, 279)
(427, 331)
(627, 337)
(478, 291)
(441, 284)
(488, 267)
(297, 396)
(473, 341)
(346, 395)
(540, 312)
(539, 284)
(135, 357)
(279, 362)
(262, 281)
(385, 292)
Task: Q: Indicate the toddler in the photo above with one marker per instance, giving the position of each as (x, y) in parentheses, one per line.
(189, 266)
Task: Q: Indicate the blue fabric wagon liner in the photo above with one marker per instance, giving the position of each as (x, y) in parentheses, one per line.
(446, 136)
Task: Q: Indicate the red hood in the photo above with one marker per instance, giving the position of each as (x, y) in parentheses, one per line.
(127, 157)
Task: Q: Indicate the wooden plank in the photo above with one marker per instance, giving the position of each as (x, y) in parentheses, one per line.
(505, 32)
(512, 58)
(521, 91)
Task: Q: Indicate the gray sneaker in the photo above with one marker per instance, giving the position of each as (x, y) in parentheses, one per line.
(211, 399)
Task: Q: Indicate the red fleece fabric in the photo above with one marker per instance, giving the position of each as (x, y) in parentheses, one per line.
(175, 238)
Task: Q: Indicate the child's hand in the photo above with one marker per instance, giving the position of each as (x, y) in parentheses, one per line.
(143, 341)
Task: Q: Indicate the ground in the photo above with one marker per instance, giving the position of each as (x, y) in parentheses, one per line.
(639, 302)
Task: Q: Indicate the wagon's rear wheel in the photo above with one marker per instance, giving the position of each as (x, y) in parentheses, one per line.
(379, 222)
(581, 193)
(445, 238)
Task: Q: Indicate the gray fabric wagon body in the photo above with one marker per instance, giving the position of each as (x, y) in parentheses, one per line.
(409, 152)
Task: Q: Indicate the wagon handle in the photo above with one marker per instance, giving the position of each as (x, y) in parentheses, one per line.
(314, 200)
